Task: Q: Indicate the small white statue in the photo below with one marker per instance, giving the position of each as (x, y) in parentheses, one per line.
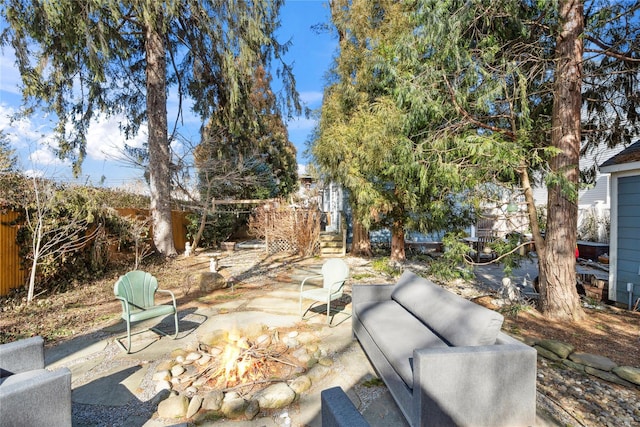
(213, 265)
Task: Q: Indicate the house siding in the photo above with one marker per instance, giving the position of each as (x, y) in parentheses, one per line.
(628, 237)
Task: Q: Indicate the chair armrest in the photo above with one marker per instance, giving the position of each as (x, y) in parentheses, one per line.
(483, 385)
(173, 298)
(125, 306)
(21, 356)
(317, 276)
(337, 286)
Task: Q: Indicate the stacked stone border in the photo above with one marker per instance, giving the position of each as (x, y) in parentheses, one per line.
(591, 364)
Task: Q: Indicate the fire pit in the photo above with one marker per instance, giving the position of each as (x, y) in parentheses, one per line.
(236, 375)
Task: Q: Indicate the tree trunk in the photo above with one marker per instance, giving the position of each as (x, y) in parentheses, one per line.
(558, 295)
(397, 242)
(159, 151)
(361, 244)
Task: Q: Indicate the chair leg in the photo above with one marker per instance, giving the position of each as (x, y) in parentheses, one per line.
(128, 347)
(328, 311)
(301, 314)
(176, 318)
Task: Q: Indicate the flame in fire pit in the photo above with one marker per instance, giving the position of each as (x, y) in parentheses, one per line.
(235, 362)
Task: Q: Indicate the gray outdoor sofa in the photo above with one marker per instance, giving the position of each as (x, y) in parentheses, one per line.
(30, 395)
(444, 358)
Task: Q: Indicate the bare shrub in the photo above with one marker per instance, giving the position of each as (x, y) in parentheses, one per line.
(287, 228)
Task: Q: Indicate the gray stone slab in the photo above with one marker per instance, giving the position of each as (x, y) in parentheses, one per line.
(593, 360)
(383, 412)
(110, 389)
(274, 305)
(77, 348)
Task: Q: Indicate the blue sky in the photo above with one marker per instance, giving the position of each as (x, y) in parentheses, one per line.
(311, 55)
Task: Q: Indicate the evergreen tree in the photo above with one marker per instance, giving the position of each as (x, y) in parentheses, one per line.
(365, 139)
(79, 58)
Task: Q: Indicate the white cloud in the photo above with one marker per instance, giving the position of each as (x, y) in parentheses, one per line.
(22, 132)
(44, 156)
(311, 97)
(105, 141)
(301, 123)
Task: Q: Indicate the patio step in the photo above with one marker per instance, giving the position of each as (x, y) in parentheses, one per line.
(332, 244)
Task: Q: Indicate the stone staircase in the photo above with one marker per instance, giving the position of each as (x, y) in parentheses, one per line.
(332, 244)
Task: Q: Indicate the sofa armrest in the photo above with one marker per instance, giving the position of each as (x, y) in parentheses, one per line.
(21, 356)
(36, 398)
(482, 385)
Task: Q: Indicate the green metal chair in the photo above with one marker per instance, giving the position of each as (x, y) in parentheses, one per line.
(334, 274)
(136, 291)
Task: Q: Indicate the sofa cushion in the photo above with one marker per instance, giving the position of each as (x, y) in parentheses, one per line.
(458, 321)
(397, 333)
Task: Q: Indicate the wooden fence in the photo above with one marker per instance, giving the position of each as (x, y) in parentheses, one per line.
(13, 276)
(11, 273)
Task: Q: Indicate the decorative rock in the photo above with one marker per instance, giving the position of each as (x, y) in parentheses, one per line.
(165, 365)
(194, 406)
(301, 354)
(326, 361)
(204, 360)
(593, 360)
(547, 354)
(180, 359)
(300, 384)
(628, 373)
(307, 338)
(178, 352)
(177, 370)
(578, 367)
(173, 407)
(191, 390)
(164, 375)
(199, 382)
(318, 372)
(605, 375)
(253, 329)
(213, 400)
(233, 406)
(193, 356)
(275, 396)
(292, 334)
(252, 409)
(163, 385)
(561, 349)
(208, 281)
(290, 342)
(263, 341)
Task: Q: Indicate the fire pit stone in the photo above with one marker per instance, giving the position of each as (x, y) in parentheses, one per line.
(237, 376)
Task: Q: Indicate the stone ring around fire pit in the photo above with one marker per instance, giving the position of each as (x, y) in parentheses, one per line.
(236, 374)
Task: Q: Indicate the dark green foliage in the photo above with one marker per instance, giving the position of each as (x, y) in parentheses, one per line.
(218, 228)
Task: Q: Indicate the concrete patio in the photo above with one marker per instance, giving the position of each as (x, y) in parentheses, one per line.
(114, 388)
